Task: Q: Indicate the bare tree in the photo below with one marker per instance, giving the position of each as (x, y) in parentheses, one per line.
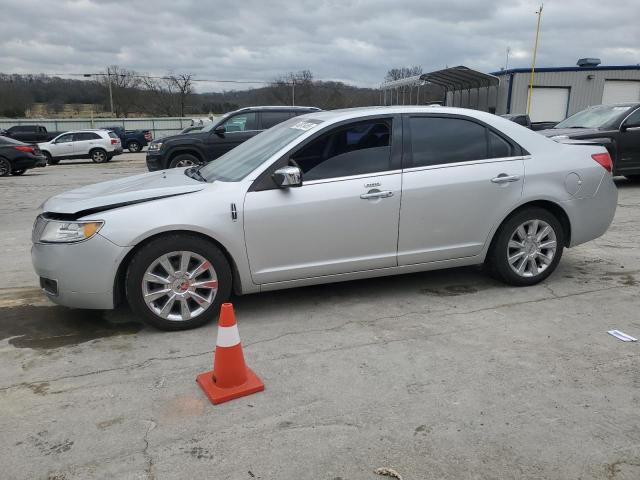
(183, 84)
(159, 96)
(402, 72)
(125, 88)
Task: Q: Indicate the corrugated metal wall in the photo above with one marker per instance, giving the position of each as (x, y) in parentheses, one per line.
(583, 91)
(160, 127)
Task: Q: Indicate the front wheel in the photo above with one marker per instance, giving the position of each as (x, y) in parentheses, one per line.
(178, 281)
(5, 167)
(184, 160)
(527, 247)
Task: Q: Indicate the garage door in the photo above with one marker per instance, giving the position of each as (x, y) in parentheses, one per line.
(549, 104)
(620, 91)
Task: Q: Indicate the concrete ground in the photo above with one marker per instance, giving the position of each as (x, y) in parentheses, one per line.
(440, 375)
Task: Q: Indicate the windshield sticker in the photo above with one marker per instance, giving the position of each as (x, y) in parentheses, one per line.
(304, 126)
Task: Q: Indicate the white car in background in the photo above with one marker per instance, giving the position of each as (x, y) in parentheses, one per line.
(98, 145)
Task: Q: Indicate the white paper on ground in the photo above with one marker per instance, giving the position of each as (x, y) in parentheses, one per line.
(622, 336)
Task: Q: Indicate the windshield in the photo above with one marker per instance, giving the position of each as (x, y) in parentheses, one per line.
(242, 160)
(593, 117)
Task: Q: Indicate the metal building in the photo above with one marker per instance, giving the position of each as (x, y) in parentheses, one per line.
(562, 91)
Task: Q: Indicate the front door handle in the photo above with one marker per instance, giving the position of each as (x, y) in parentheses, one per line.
(376, 194)
(504, 178)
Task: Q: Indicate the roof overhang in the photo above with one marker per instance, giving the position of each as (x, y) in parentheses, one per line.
(460, 78)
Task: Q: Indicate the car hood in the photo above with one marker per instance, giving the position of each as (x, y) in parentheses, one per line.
(569, 132)
(184, 136)
(124, 191)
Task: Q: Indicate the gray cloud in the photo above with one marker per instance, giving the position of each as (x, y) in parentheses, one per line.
(355, 41)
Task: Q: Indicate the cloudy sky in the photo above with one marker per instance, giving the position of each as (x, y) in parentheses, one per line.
(355, 41)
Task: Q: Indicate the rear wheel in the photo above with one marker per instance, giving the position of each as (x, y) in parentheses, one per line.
(5, 167)
(98, 155)
(19, 172)
(527, 247)
(134, 147)
(178, 281)
(184, 160)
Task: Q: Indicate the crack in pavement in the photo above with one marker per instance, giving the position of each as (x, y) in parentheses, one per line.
(337, 327)
(150, 470)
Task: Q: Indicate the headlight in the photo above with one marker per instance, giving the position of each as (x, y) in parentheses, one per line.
(55, 231)
(154, 147)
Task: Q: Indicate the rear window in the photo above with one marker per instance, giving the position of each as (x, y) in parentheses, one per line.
(80, 136)
(9, 141)
(113, 135)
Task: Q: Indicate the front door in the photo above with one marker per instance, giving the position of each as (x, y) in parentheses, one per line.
(63, 147)
(344, 218)
(628, 141)
(462, 179)
(238, 128)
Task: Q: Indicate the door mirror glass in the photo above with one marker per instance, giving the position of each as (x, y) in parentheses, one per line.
(286, 177)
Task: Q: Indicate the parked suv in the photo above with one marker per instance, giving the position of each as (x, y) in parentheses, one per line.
(98, 145)
(218, 137)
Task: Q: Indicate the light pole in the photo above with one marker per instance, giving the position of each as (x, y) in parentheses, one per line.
(533, 63)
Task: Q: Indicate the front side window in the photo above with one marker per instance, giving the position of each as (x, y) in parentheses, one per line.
(439, 140)
(355, 149)
(240, 122)
(68, 137)
(269, 119)
(633, 120)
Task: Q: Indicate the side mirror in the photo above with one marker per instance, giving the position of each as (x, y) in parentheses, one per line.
(286, 177)
(219, 130)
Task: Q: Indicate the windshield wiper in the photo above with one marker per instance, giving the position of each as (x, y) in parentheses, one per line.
(194, 172)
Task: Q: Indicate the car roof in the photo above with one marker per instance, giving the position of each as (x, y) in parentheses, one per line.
(276, 107)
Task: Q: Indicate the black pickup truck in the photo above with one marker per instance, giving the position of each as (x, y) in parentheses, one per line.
(30, 133)
(132, 140)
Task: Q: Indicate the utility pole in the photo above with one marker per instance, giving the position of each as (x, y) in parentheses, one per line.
(533, 63)
(293, 92)
(110, 91)
(506, 64)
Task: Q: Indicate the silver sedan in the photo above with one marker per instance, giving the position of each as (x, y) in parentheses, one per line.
(326, 197)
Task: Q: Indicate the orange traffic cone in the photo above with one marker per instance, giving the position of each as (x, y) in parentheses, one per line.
(230, 378)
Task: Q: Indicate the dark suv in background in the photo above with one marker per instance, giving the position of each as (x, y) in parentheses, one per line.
(218, 138)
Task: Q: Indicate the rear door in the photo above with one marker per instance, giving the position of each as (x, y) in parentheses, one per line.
(460, 178)
(85, 141)
(239, 128)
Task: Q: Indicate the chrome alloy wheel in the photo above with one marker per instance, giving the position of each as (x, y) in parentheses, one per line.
(179, 285)
(531, 248)
(185, 163)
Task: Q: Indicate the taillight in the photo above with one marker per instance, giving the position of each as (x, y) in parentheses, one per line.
(603, 159)
(24, 148)
(113, 141)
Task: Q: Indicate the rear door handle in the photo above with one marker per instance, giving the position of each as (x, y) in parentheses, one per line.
(376, 194)
(504, 178)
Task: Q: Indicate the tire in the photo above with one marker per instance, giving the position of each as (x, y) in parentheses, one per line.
(535, 258)
(184, 160)
(98, 155)
(19, 172)
(5, 167)
(134, 147)
(633, 178)
(148, 262)
(50, 159)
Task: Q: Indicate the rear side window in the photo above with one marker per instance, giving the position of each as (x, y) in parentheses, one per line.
(354, 149)
(499, 147)
(269, 119)
(439, 140)
(86, 136)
